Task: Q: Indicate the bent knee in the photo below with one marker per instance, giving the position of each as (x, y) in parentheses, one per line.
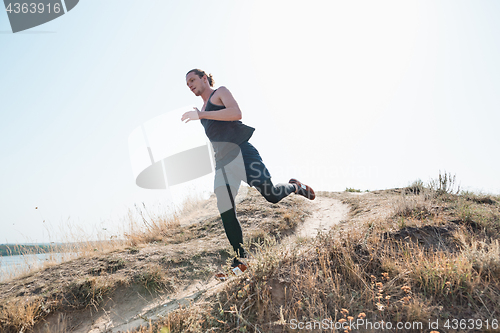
(272, 198)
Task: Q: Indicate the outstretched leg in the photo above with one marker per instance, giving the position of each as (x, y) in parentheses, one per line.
(274, 193)
(259, 177)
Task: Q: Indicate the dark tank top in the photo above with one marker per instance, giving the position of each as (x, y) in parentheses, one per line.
(225, 136)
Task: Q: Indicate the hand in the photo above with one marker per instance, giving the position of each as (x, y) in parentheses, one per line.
(191, 115)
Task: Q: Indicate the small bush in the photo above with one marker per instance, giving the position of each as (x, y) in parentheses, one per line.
(152, 279)
(445, 184)
(415, 188)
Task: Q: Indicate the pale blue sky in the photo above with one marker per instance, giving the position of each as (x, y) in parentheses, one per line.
(342, 94)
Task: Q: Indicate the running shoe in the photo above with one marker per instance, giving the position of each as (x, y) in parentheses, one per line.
(303, 189)
(237, 268)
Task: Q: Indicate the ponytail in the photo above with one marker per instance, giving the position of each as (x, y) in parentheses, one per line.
(201, 73)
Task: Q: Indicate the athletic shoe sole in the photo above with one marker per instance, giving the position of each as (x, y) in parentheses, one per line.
(304, 190)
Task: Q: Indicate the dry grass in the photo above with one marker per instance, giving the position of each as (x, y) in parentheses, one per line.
(482, 218)
(416, 206)
(89, 292)
(150, 258)
(18, 315)
(483, 256)
(434, 255)
(153, 279)
(445, 265)
(305, 283)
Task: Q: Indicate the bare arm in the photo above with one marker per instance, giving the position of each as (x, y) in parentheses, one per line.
(232, 111)
(223, 96)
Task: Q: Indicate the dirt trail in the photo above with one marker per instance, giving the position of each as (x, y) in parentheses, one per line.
(327, 212)
(129, 309)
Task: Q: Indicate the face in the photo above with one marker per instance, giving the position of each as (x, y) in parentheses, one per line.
(195, 83)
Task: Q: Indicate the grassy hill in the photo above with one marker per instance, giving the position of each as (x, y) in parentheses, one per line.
(426, 257)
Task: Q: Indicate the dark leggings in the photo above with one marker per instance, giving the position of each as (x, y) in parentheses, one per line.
(230, 221)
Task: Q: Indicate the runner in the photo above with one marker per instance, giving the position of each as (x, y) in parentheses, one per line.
(235, 158)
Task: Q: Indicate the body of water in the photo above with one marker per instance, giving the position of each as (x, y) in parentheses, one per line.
(22, 263)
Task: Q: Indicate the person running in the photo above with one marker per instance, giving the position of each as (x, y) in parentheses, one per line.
(236, 159)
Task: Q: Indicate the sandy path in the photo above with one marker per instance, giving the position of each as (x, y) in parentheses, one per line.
(327, 212)
(162, 307)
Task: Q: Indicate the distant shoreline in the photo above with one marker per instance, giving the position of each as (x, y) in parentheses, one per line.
(23, 249)
(42, 248)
